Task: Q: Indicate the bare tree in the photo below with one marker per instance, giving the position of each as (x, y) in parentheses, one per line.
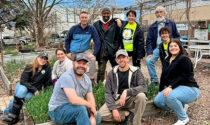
(40, 11)
(188, 7)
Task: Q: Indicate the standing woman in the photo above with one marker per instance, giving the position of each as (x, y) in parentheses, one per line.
(61, 65)
(177, 84)
(132, 38)
(35, 76)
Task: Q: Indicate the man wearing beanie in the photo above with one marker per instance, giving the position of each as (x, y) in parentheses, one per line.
(108, 31)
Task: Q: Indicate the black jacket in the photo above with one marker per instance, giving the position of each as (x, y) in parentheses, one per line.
(138, 41)
(162, 53)
(109, 43)
(39, 80)
(179, 72)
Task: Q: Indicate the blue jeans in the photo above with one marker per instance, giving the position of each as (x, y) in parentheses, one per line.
(150, 65)
(20, 92)
(68, 113)
(176, 100)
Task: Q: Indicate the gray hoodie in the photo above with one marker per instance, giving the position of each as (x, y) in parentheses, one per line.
(136, 85)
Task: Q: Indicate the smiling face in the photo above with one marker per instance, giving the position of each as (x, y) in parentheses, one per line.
(165, 36)
(80, 67)
(122, 61)
(60, 55)
(174, 49)
(83, 18)
(131, 18)
(106, 15)
(41, 61)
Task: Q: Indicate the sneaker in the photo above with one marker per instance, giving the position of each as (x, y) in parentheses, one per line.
(184, 122)
(186, 106)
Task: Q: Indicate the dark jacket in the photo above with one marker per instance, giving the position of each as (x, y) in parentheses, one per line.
(179, 72)
(109, 43)
(39, 80)
(152, 35)
(162, 53)
(136, 85)
(78, 39)
(138, 41)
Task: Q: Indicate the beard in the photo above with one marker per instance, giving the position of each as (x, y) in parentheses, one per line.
(160, 19)
(79, 73)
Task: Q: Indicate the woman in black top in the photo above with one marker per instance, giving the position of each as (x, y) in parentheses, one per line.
(177, 84)
(35, 76)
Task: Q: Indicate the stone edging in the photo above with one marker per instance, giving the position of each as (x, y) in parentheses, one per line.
(5, 80)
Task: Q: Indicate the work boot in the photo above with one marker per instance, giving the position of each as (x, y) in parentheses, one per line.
(13, 115)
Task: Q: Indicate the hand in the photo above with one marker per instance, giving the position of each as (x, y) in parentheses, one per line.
(167, 92)
(90, 56)
(149, 56)
(92, 120)
(36, 92)
(119, 23)
(123, 97)
(93, 111)
(116, 115)
(69, 55)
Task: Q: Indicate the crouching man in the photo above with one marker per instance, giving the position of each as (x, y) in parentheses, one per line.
(67, 104)
(125, 90)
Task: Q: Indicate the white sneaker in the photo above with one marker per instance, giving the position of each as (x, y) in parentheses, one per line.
(186, 106)
(184, 122)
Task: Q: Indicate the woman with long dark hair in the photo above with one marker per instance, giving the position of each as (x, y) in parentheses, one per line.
(36, 75)
(177, 84)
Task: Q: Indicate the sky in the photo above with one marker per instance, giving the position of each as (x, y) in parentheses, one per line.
(123, 3)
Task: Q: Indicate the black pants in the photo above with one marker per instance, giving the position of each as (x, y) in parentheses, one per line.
(102, 67)
(135, 61)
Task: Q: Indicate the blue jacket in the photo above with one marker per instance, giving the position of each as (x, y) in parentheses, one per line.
(78, 39)
(152, 35)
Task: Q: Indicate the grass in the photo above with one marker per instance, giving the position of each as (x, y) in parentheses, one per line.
(10, 50)
(37, 107)
(99, 95)
(206, 123)
(31, 45)
(13, 68)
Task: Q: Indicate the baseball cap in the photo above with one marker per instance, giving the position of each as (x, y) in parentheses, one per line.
(105, 9)
(121, 52)
(43, 55)
(81, 56)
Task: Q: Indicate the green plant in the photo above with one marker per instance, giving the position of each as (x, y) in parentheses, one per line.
(99, 95)
(206, 123)
(52, 62)
(10, 50)
(37, 107)
(152, 90)
(13, 68)
(31, 45)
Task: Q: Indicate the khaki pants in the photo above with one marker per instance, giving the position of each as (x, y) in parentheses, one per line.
(91, 63)
(138, 103)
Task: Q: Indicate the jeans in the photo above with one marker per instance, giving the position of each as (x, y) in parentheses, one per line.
(20, 92)
(150, 65)
(68, 113)
(176, 100)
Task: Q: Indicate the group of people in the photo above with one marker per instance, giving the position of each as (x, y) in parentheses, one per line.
(116, 41)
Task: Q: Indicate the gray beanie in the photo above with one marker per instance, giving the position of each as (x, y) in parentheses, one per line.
(105, 9)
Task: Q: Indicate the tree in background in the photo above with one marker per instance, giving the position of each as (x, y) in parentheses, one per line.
(40, 10)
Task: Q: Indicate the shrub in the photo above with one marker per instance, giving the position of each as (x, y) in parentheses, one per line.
(37, 107)
(152, 90)
(13, 68)
(99, 95)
